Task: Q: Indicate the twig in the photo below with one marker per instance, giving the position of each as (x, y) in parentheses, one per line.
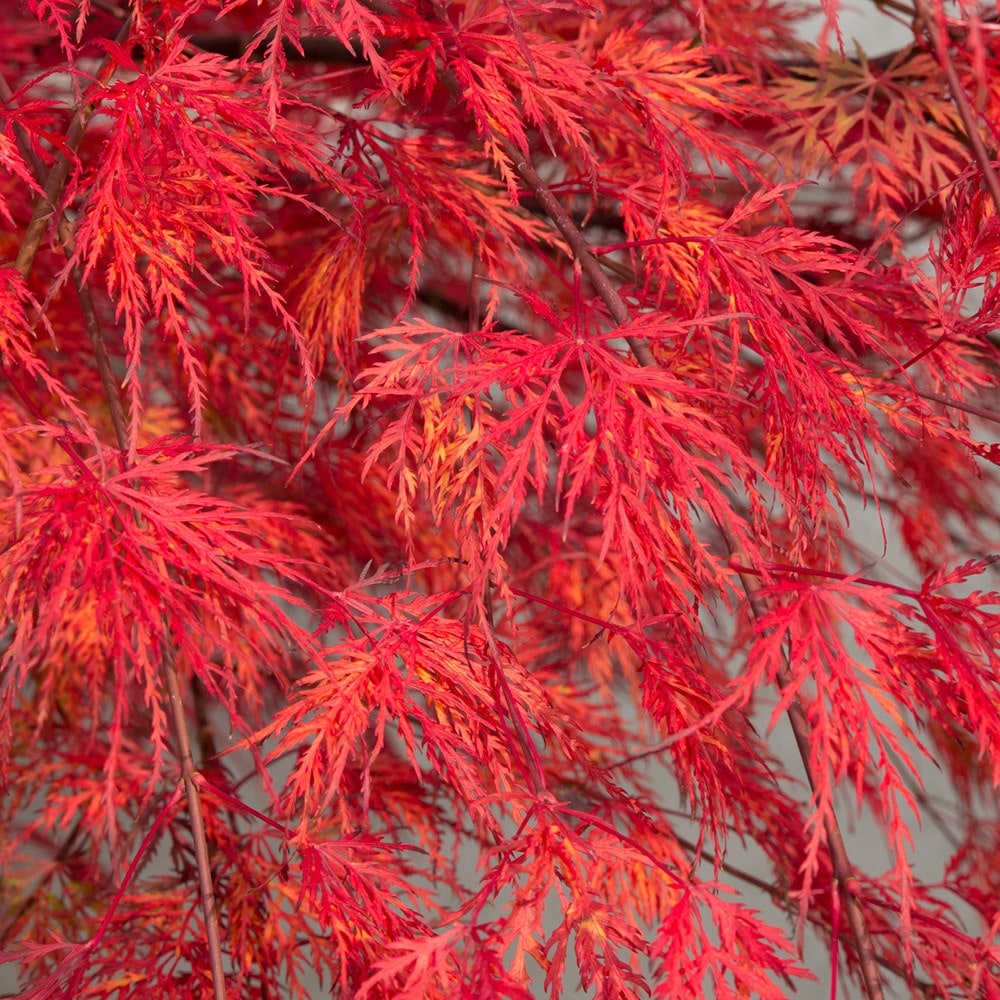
(842, 868)
(979, 151)
(46, 210)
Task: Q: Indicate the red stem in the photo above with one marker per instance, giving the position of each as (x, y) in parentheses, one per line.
(147, 842)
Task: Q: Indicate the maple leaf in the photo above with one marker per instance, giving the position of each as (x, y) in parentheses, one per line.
(900, 143)
(441, 445)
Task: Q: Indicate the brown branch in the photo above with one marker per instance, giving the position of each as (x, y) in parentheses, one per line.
(189, 772)
(780, 898)
(193, 795)
(957, 404)
(315, 49)
(581, 251)
(842, 868)
(45, 206)
(325, 49)
(46, 211)
(979, 151)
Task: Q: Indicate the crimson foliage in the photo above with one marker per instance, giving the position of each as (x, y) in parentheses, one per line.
(434, 442)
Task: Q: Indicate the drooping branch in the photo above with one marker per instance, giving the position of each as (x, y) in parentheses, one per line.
(972, 133)
(842, 867)
(843, 870)
(46, 211)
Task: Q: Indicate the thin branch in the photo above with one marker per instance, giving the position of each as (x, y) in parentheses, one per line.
(581, 251)
(983, 158)
(193, 795)
(326, 49)
(188, 770)
(133, 867)
(958, 404)
(843, 870)
(309, 49)
(45, 206)
(45, 211)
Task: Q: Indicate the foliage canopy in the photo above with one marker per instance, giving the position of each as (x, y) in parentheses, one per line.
(435, 449)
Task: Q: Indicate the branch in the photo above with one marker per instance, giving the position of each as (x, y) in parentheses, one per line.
(45, 211)
(979, 151)
(581, 250)
(315, 49)
(842, 868)
(45, 207)
(193, 795)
